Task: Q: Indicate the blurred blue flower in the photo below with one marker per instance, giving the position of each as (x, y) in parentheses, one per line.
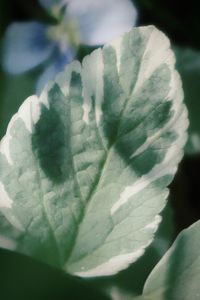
(89, 22)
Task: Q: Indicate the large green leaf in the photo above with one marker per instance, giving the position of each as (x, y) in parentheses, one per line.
(84, 168)
(188, 64)
(177, 275)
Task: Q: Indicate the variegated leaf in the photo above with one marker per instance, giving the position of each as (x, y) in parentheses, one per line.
(84, 167)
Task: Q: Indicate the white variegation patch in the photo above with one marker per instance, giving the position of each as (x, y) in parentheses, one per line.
(29, 112)
(162, 54)
(154, 225)
(5, 201)
(92, 75)
(116, 44)
(112, 266)
(5, 148)
(145, 181)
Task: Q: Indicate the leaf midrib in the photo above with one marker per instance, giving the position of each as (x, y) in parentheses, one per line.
(107, 152)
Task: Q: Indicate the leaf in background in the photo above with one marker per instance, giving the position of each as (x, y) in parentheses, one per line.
(188, 65)
(22, 278)
(177, 275)
(84, 168)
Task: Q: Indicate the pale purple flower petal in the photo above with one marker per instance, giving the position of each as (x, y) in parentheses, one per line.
(99, 21)
(25, 47)
(57, 65)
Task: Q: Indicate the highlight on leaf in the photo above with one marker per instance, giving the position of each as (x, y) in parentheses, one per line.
(84, 168)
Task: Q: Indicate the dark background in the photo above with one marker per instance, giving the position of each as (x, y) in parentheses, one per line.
(20, 277)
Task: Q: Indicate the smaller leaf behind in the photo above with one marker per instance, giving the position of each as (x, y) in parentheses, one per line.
(177, 275)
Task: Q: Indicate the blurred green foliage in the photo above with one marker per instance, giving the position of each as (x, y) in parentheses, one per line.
(20, 277)
(24, 279)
